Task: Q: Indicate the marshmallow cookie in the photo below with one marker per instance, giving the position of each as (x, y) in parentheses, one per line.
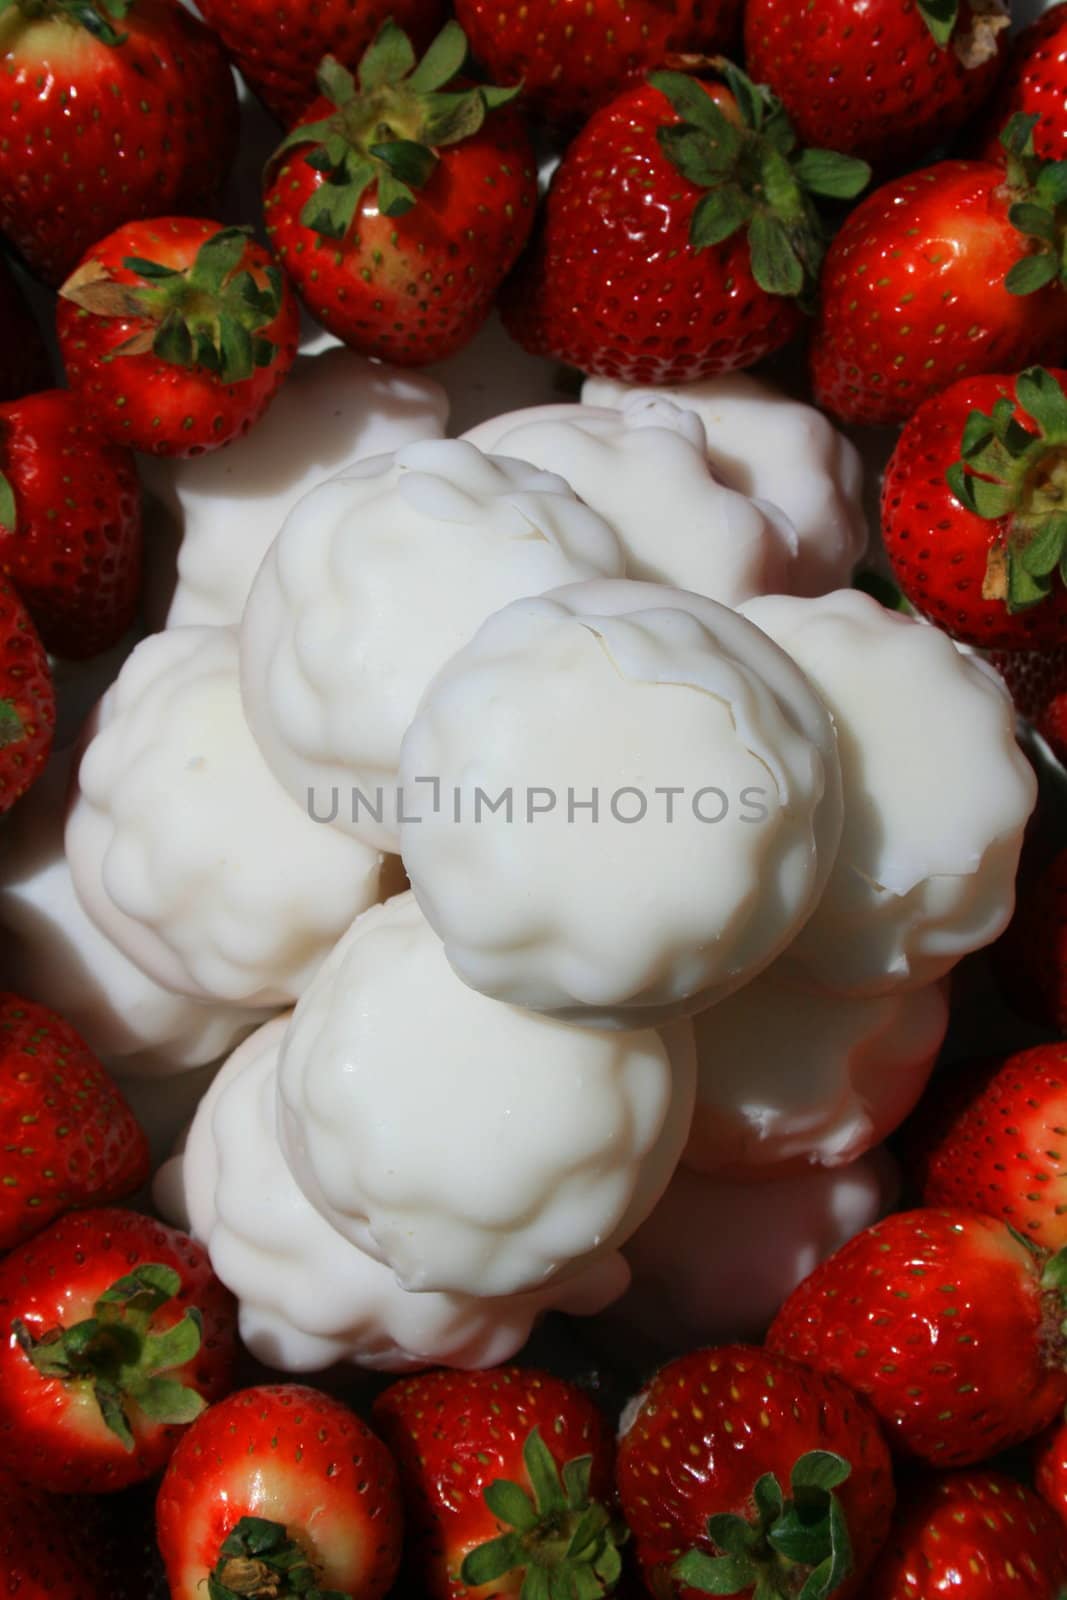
(375, 580)
(777, 451)
(937, 793)
(307, 1296)
(622, 802)
(185, 851)
(472, 1147)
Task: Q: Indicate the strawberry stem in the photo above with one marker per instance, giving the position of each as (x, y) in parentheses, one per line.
(260, 1560)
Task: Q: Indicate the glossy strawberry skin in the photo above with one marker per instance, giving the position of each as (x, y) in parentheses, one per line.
(145, 402)
(454, 1433)
(289, 1454)
(712, 1423)
(45, 1552)
(913, 298)
(415, 288)
(1050, 1468)
(53, 1433)
(938, 549)
(940, 1320)
(27, 700)
(866, 76)
(98, 134)
(612, 285)
(975, 1536)
(1035, 83)
(573, 57)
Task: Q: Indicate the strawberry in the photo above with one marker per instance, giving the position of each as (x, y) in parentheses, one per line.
(112, 109)
(662, 257)
(877, 78)
(939, 275)
(45, 1553)
(67, 1136)
(1032, 956)
(1050, 1468)
(280, 1490)
(743, 1473)
(480, 1457)
(971, 518)
(70, 523)
(972, 1535)
(574, 56)
(947, 1322)
(116, 1335)
(27, 700)
(397, 207)
(1035, 83)
(24, 364)
(1037, 680)
(178, 333)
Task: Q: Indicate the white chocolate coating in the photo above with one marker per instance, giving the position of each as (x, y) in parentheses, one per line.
(773, 448)
(623, 691)
(645, 470)
(787, 1074)
(472, 1147)
(375, 580)
(307, 1296)
(937, 793)
(183, 848)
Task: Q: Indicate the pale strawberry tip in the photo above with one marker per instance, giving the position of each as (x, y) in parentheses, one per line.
(97, 19)
(259, 1558)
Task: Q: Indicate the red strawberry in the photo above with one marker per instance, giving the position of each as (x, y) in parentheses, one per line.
(27, 700)
(24, 364)
(974, 1536)
(70, 523)
(480, 1457)
(878, 78)
(574, 56)
(1038, 683)
(1035, 83)
(743, 1473)
(1050, 1468)
(949, 1324)
(45, 1553)
(396, 207)
(67, 1136)
(178, 334)
(116, 1335)
(280, 1490)
(661, 258)
(278, 44)
(1032, 956)
(940, 275)
(111, 110)
(979, 544)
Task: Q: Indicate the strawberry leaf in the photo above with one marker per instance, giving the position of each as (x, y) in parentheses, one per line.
(1031, 273)
(492, 1560)
(701, 159)
(388, 59)
(775, 264)
(714, 1574)
(174, 1346)
(1046, 549)
(576, 1476)
(8, 510)
(1042, 398)
(146, 1289)
(821, 1470)
(173, 342)
(166, 1400)
(411, 163)
(543, 1474)
(511, 1505)
(442, 60)
(940, 17)
(718, 215)
(12, 729)
(826, 172)
(691, 102)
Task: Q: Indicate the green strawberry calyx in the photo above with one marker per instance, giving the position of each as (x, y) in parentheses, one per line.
(1036, 191)
(1015, 476)
(212, 314)
(746, 156)
(96, 18)
(974, 44)
(561, 1541)
(120, 1355)
(262, 1559)
(796, 1545)
(387, 128)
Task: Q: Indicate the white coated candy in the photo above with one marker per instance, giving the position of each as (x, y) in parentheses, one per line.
(655, 903)
(185, 850)
(376, 578)
(646, 471)
(937, 793)
(472, 1147)
(773, 448)
(307, 1296)
(793, 1074)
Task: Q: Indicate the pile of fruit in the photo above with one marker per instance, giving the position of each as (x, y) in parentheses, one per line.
(533, 943)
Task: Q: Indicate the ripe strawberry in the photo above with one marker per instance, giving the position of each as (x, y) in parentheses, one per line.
(280, 1490)
(27, 700)
(116, 1335)
(45, 1553)
(573, 56)
(743, 1473)
(1032, 956)
(877, 78)
(661, 257)
(480, 1457)
(940, 275)
(67, 1136)
(949, 1323)
(177, 333)
(24, 364)
(1035, 83)
(70, 523)
(974, 1536)
(979, 544)
(396, 207)
(1037, 680)
(112, 109)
